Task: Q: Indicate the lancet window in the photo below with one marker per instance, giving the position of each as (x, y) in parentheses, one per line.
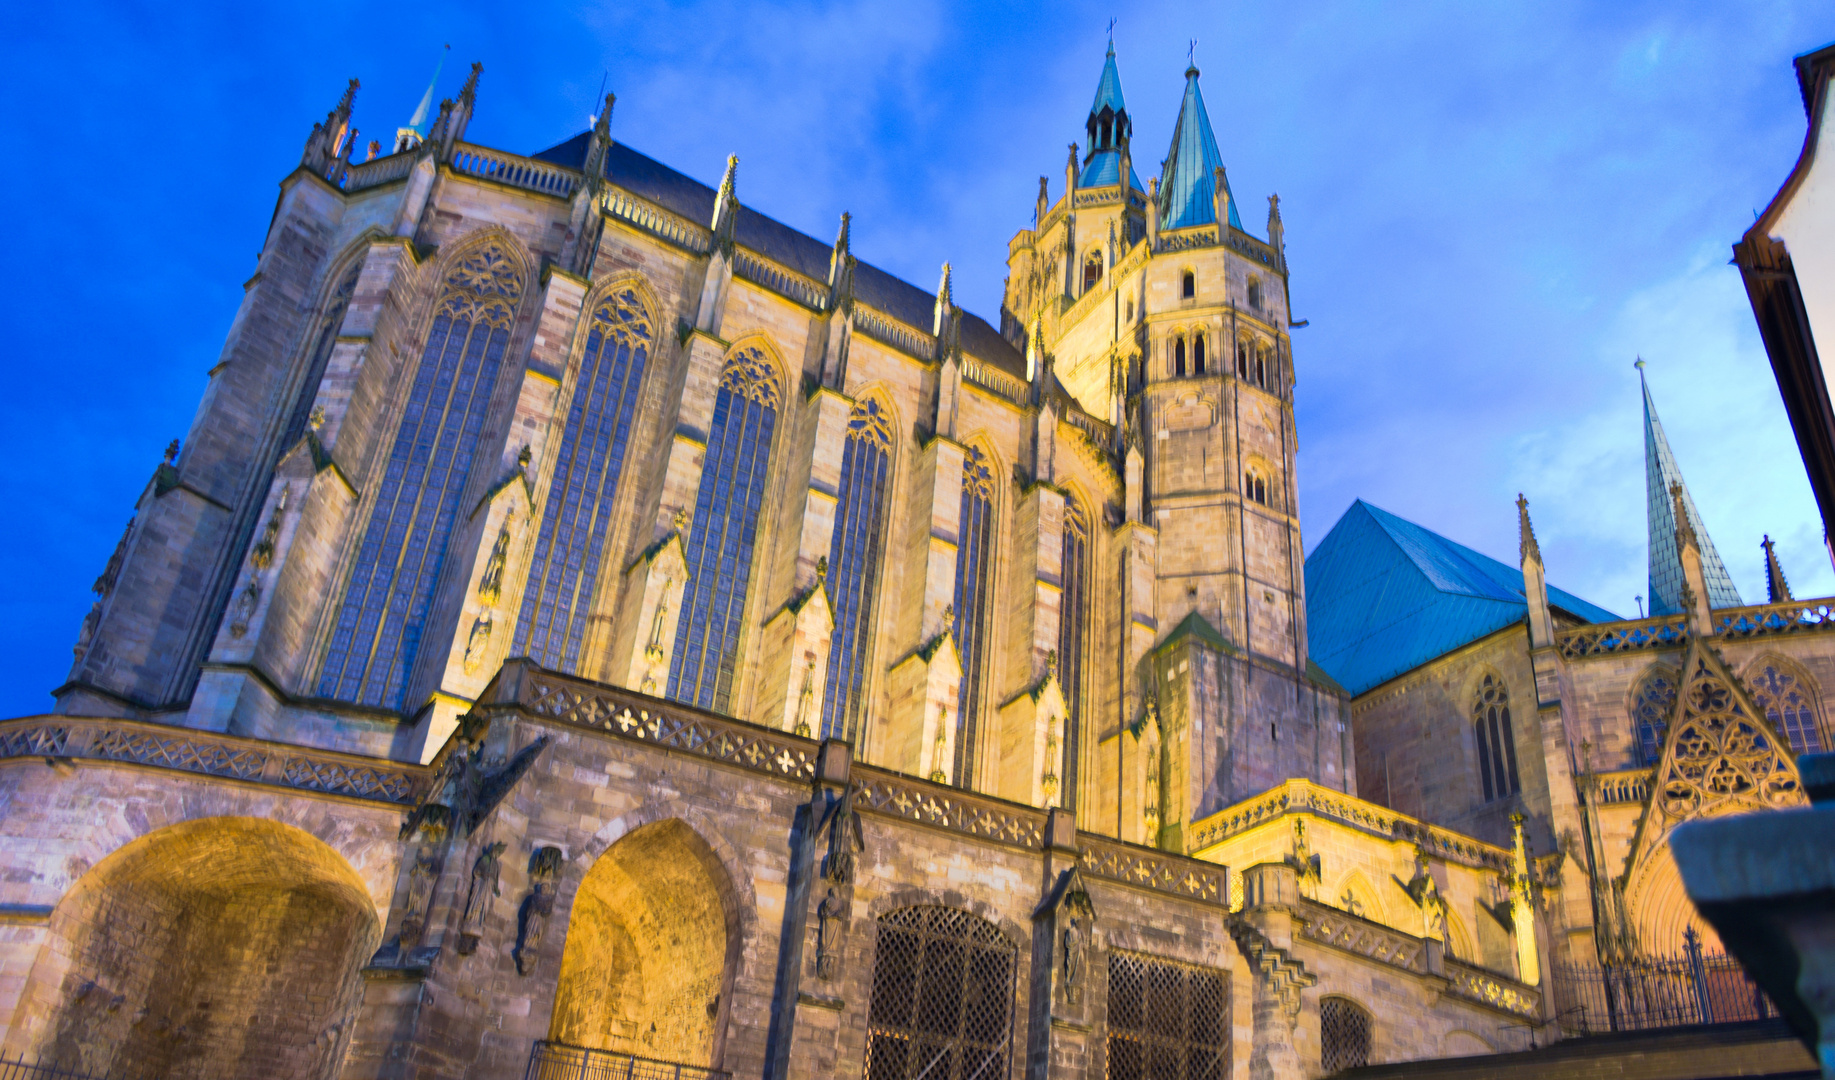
(335, 308)
(724, 529)
(1651, 709)
(942, 1000)
(564, 572)
(1242, 358)
(1255, 293)
(1779, 692)
(1092, 270)
(380, 621)
(1496, 745)
(1254, 486)
(1167, 1020)
(974, 570)
(853, 561)
(1178, 356)
(1188, 285)
(1073, 623)
(1197, 354)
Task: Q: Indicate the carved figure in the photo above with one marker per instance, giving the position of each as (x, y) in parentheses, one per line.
(828, 935)
(532, 917)
(1076, 942)
(845, 840)
(486, 883)
(429, 860)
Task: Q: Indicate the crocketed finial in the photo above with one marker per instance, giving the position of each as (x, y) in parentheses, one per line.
(1526, 546)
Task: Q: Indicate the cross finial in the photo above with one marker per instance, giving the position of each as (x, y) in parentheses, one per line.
(1111, 30)
(1191, 53)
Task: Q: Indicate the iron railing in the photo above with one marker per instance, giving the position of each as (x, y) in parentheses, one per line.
(21, 1069)
(558, 1061)
(1695, 987)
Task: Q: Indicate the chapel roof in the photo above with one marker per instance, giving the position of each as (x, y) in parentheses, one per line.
(1190, 166)
(681, 194)
(1384, 596)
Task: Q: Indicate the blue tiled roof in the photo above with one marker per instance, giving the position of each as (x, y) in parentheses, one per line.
(1189, 180)
(1384, 596)
(1103, 167)
(1108, 89)
(1660, 471)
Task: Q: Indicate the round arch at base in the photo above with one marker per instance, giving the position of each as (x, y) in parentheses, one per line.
(221, 946)
(647, 965)
(1660, 910)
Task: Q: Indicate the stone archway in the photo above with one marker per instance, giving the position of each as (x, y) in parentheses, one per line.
(646, 956)
(222, 947)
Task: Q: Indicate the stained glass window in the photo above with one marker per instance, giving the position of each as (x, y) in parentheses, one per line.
(379, 625)
(1790, 706)
(320, 356)
(564, 571)
(1072, 623)
(724, 529)
(1651, 709)
(974, 558)
(853, 562)
(1496, 746)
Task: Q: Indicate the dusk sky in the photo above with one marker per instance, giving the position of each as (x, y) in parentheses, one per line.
(1491, 211)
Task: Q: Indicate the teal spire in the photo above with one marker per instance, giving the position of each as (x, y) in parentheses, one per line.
(1660, 473)
(419, 120)
(1109, 129)
(1187, 183)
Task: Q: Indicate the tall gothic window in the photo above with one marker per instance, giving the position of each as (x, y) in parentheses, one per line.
(1651, 710)
(1496, 747)
(1092, 270)
(723, 530)
(1178, 356)
(1255, 293)
(1167, 1020)
(942, 1000)
(321, 355)
(564, 571)
(1197, 354)
(1072, 619)
(1790, 706)
(379, 625)
(853, 562)
(974, 569)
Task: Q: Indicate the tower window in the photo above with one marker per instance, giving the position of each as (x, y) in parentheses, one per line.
(1254, 486)
(1255, 293)
(1496, 746)
(1242, 359)
(1188, 286)
(1178, 356)
(1144, 369)
(1092, 270)
(1261, 367)
(1130, 308)
(1197, 354)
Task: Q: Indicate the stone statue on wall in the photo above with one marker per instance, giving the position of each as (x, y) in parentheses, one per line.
(829, 917)
(1076, 945)
(845, 840)
(486, 884)
(532, 918)
(429, 857)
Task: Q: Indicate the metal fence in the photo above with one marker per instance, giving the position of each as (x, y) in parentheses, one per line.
(1694, 987)
(21, 1069)
(558, 1061)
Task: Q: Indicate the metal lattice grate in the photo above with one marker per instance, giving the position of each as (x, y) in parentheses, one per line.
(1167, 1020)
(1344, 1035)
(942, 1007)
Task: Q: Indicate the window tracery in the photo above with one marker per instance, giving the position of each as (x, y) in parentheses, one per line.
(1073, 619)
(853, 561)
(1651, 709)
(1789, 703)
(377, 632)
(942, 998)
(1496, 745)
(974, 569)
(564, 569)
(728, 507)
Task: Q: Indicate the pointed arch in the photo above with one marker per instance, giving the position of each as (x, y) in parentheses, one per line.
(1652, 705)
(337, 290)
(855, 553)
(723, 532)
(1790, 699)
(616, 340)
(1074, 604)
(1355, 894)
(1489, 700)
(376, 634)
(976, 550)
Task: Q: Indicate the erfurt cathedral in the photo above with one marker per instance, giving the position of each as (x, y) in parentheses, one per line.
(591, 627)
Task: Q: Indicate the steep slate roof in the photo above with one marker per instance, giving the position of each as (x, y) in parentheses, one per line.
(1188, 181)
(1660, 471)
(684, 195)
(1384, 596)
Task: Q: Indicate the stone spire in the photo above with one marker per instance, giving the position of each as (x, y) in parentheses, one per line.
(1535, 584)
(726, 206)
(1672, 519)
(1777, 590)
(458, 117)
(1526, 546)
(328, 141)
(841, 264)
(407, 138)
(1187, 196)
(945, 304)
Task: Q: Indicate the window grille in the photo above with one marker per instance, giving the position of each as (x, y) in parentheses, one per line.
(942, 1005)
(1656, 702)
(1496, 747)
(378, 630)
(1781, 696)
(564, 571)
(853, 562)
(1167, 1020)
(974, 556)
(1071, 631)
(723, 531)
(1344, 1035)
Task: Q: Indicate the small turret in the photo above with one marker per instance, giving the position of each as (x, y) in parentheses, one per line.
(1044, 203)
(726, 206)
(1070, 176)
(458, 118)
(332, 140)
(1777, 590)
(1277, 234)
(939, 318)
(1535, 585)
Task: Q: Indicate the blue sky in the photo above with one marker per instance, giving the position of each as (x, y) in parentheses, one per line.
(1491, 210)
